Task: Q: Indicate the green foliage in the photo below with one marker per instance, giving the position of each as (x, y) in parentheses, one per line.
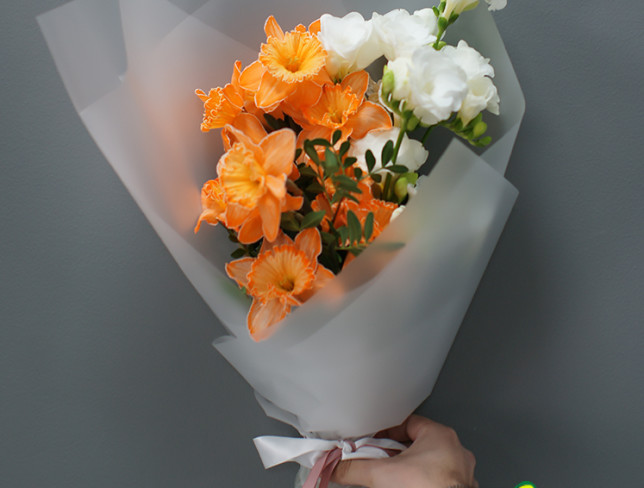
(312, 219)
(472, 132)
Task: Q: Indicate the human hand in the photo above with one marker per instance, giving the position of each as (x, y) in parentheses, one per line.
(436, 459)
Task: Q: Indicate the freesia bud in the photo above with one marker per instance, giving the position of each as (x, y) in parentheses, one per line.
(456, 7)
(400, 188)
(479, 129)
(388, 82)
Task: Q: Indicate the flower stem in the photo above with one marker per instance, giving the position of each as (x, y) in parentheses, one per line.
(401, 135)
(426, 134)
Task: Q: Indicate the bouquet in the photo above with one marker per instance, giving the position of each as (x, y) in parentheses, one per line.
(351, 272)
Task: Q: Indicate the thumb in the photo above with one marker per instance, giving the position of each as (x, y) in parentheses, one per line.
(353, 472)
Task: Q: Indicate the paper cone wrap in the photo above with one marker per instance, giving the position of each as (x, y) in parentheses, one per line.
(364, 352)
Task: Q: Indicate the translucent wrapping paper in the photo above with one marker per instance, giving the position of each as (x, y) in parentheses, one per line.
(363, 353)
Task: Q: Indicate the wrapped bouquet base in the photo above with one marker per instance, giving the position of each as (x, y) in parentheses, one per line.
(365, 351)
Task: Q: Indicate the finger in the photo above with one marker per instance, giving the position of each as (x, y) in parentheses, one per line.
(397, 433)
(353, 472)
(417, 426)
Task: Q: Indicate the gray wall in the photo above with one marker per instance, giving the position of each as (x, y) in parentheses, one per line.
(107, 377)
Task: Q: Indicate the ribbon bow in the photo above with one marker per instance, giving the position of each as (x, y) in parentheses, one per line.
(321, 456)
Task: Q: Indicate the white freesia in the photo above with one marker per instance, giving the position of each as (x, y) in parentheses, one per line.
(457, 7)
(350, 43)
(496, 4)
(482, 93)
(401, 33)
(397, 212)
(437, 85)
(412, 154)
(399, 68)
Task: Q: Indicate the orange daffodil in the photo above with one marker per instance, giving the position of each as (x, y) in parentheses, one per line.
(253, 178)
(284, 274)
(343, 107)
(290, 68)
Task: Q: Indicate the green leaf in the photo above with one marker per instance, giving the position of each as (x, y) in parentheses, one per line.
(368, 226)
(298, 153)
(344, 234)
(312, 219)
(387, 153)
(289, 222)
(331, 161)
(238, 253)
(376, 177)
(309, 149)
(336, 136)
(347, 183)
(398, 168)
(350, 161)
(344, 147)
(320, 142)
(371, 160)
(272, 122)
(357, 173)
(352, 198)
(355, 229)
(315, 188)
(327, 238)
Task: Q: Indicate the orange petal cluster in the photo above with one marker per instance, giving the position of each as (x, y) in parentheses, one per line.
(253, 178)
(222, 105)
(290, 67)
(284, 274)
(213, 204)
(343, 106)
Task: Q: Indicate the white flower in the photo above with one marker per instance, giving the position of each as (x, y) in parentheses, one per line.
(458, 6)
(482, 93)
(350, 43)
(412, 154)
(396, 213)
(401, 33)
(437, 85)
(496, 4)
(399, 68)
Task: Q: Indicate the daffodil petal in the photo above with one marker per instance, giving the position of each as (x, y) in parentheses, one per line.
(272, 28)
(271, 92)
(358, 81)
(262, 316)
(251, 230)
(281, 240)
(269, 210)
(251, 77)
(250, 126)
(310, 243)
(238, 270)
(369, 117)
(279, 151)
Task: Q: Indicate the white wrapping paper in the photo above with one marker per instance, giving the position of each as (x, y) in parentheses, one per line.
(362, 354)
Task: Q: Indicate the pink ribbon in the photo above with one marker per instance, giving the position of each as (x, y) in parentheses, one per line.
(324, 466)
